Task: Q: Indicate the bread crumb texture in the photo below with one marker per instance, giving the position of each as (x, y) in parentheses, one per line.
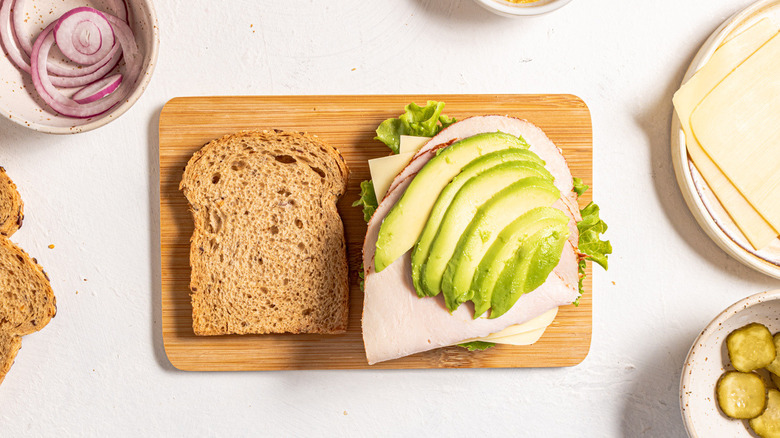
(267, 252)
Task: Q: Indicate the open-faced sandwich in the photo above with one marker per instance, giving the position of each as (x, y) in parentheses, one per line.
(478, 237)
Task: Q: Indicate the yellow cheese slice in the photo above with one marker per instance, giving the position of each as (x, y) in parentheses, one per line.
(521, 334)
(730, 55)
(411, 143)
(384, 170)
(540, 321)
(527, 338)
(738, 125)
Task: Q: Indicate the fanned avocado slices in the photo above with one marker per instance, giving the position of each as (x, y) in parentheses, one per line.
(459, 213)
(490, 219)
(504, 249)
(533, 262)
(403, 225)
(470, 171)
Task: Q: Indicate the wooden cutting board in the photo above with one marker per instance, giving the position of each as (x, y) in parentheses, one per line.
(348, 123)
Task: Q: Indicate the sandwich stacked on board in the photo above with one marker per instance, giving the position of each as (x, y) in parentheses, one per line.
(479, 234)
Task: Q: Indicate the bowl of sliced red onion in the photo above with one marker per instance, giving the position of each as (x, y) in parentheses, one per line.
(71, 66)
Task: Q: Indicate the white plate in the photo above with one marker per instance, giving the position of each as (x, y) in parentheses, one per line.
(698, 195)
(708, 360)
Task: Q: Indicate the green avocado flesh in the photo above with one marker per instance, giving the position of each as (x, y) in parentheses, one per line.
(529, 268)
(488, 221)
(402, 227)
(427, 271)
(501, 252)
(469, 172)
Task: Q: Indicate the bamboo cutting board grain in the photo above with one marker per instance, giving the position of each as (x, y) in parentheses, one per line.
(348, 123)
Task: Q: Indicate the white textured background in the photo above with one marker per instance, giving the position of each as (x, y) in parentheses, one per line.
(99, 368)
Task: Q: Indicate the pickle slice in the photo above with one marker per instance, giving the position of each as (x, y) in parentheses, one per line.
(741, 395)
(751, 347)
(767, 425)
(774, 367)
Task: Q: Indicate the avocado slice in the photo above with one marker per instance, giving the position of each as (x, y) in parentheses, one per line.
(427, 271)
(501, 252)
(490, 219)
(529, 268)
(403, 225)
(476, 167)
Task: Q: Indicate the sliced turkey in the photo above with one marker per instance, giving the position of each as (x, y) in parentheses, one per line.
(397, 323)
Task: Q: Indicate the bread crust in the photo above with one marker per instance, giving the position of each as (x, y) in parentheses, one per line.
(267, 253)
(11, 207)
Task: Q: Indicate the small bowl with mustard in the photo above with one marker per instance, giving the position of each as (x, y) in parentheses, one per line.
(521, 8)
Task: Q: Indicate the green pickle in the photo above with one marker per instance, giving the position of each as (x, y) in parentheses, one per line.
(741, 395)
(767, 425)
(751, 347)
(774, 367)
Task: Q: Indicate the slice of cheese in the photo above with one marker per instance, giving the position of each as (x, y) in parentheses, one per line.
(540, 321)
(384, 170)
(521, 334)
(411, 143)
(738, 125)
(727, 58)
(527, 338)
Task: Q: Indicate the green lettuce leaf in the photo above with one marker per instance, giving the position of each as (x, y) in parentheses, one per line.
(362, 276)
(591, 245)
(579, 186)
(367, 199)
(591, 227)
(477, 345)
(424, 121)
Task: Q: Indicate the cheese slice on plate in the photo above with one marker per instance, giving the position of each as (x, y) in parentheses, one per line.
(727, 58)
(738, 125)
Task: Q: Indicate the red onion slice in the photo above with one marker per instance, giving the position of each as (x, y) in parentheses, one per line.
(118, 8)
(98, 90)
(9, 39)
(67, 106)
(18, 24)
(84, 35)
(62, 76)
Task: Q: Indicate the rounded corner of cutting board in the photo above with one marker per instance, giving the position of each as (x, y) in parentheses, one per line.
(580, 357)
(173, 359)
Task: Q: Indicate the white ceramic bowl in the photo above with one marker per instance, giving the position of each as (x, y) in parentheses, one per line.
(708, 360)
(509, 9)
(20, 103)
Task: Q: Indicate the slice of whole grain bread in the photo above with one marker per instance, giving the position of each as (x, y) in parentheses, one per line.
(11, 206)
(267, 253)
(27, 301)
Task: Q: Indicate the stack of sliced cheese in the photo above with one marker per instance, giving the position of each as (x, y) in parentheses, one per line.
(730, 113)
(383, 171)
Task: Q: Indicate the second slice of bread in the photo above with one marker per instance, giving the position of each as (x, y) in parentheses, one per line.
(267, 253)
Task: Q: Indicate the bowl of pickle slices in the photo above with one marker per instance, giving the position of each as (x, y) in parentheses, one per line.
(730, 385)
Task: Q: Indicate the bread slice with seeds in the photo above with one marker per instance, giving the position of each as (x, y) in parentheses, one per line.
(267, 252)
(11, 206)
(27, 302)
